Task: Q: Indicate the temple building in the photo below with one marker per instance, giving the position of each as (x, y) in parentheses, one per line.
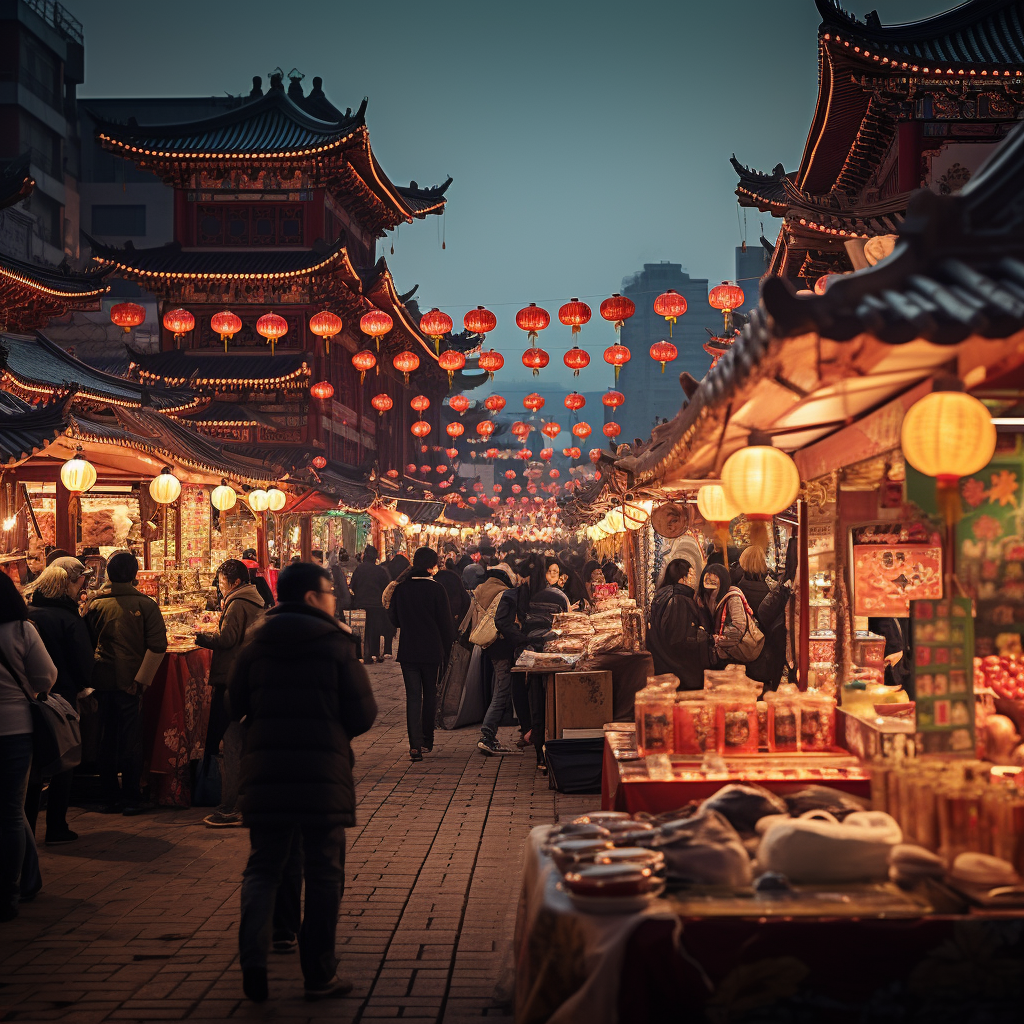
(900, 107)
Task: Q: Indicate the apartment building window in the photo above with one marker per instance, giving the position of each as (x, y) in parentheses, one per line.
(119, 221)
(39, 71)
(44, 145)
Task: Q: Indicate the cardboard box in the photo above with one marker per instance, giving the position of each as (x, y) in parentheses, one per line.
(582, 700)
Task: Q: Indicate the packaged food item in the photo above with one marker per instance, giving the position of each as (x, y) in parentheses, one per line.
(694, 721)
(868, 649)
(654, 721)
(822, 645)
(783, 722)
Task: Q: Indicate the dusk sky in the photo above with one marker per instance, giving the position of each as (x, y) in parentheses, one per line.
(585, 139)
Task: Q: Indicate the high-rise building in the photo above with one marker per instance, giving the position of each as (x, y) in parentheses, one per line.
(651, 395)
(751, 266)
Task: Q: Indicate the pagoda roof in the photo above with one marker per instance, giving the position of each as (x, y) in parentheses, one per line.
(234, 369)
(228, 413)
(765, 192)
(26, 431)
(31, 294)
(16, 181)
(37, 368)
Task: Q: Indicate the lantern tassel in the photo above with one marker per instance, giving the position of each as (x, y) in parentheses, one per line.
(947, 497)
(671, 322)
(663, 365)
(617, 368)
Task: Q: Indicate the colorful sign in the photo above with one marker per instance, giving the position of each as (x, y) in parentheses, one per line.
(887, 578)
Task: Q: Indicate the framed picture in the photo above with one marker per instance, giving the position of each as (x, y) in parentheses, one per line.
(887, 578)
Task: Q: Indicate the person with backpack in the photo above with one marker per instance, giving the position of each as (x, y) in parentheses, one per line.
(736, 637)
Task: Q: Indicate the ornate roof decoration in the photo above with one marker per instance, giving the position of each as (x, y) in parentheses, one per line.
(175, 368)
(233, 414)
(32, 294)
(26, 431)
(764, 192)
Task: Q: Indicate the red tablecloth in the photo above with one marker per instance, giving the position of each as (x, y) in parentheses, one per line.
(175, 713)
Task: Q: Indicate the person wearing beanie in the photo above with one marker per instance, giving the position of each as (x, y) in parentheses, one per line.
(367, 586)
(131, 640)
(419, 608)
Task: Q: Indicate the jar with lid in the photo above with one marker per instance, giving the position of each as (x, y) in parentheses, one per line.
(694, 719)
(784, 719)
(960, 815)
(655, 720)
(817, 721)
(735, 720)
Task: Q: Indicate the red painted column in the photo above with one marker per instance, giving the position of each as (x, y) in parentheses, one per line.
(908, 153)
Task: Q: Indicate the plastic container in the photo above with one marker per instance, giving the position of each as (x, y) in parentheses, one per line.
(868, 649)
(817, 722)
(694, 722)
(783, 722)
(735, 723)
(655, 721)
(822, 645)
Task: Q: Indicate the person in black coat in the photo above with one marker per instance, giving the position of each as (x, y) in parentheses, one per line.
(458, 596)
(419, 608)
(256, 577)
(53, 610)
(368, 582)
(301, 696)
(677, 628)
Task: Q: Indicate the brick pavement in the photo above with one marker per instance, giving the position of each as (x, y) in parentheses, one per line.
(137, 920)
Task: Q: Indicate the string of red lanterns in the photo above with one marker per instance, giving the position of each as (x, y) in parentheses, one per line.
(272, 327)
(663, 352)
(326, 325)
(179, 322)
(671, 305)
(436, 325)
(617, 310)
(460, 403)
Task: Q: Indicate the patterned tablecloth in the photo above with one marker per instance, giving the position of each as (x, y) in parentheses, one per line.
(175, 713)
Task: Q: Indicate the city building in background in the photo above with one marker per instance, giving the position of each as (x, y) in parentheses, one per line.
(751, 266)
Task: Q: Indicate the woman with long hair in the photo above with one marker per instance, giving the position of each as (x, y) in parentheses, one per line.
(26, 671)
(677, 634)
(547, 598)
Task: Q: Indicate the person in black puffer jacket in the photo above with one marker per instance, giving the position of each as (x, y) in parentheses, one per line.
(302, 697)
(677, 634)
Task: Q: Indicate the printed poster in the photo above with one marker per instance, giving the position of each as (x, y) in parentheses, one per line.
(886, 578)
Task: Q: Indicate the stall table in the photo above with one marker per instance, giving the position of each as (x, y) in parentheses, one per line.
(175, 713)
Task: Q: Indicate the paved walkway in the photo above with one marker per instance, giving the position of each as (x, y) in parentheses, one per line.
(137, 920)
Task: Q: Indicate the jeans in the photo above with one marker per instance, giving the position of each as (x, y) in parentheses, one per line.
(378, 628)
(15, 762)
(500, 697)
(420, 702)
(120, 715)
(288, 904)
(270, 861)
(231, 769)
(58, 798)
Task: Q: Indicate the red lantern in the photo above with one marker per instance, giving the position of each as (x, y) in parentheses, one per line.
(574, 314)
(595, 455)
(576, 359)
(546, 453)
(363, 361)
(535, 359)
(322, 390)
(613, 399)
(420, 428)
(271, 326)
(326, 325)
(479, 320)
(612, 429)
(485, 428)
(491, 453)
(226, 324)
(572, 453)
(671, 305)
(496, 488)
(533, 402)
(618, 309)
(663, 352)
(420, 403)
(410, 468)
(376, 324)
(491, 362)
(581, 430)
(451, 361)
(618, 356)
(405, 363)
(516, 488)
(510, 474)
(460, 403)
(455, 430)
(318, 462)
(532, 319)
(127, 315)
(524, 454)
(424, 470)
(435, 324)
(452, 453)
(382, 403)
(551, 429)
(442, 468)
(392, 474)
(178, 322)
(554, 474)
(575, 401)
(726, 296)
(494, 403)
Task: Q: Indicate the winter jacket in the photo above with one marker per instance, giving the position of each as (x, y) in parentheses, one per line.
(34, 670)
(259, 581)
(754, 588)
(730, 625)
(125, 625)
(342, 594)
(512, 612)
(368, 583)
(301, 697)
(243, 608)
(67, 641)
(673, 638)
(419, 608)
(397, 565)
(496, 582)
(547, 603)
(458, 597)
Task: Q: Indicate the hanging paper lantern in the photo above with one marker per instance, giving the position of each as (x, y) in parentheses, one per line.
(613, 399)
(165, 488)
(326, 325)
(460, 403)
(726, 296)
(618, 356)
(572, 453)
(663, 352)
(224, 498)
(496, 488)
(322, 390)
(554, 474)
(376, 324)
(364, 360)
(535, 359)
(455, 429)
(276, 499)
(582, 430)
(612, 429)
(479, 320)
(516, 488)
(635, 514)
(575, 401)
(179, 322)
(491, 453)
(78, 474)
(420, 403)
(271, 326)
(318, 462)
(451, 361)
(533, 402)
(127, 315)
(435, 324)
(259, 501)
(420, 428)
(671, 305)
(406, 363)
(618, 309)
(574, 314)
(546, 453)
(494, 403)
(760, 481)
(714, 505)
(491, 362)
(485, 428)
(392, 474)
(452, 453)
(551, 429)
(442, 468)
(411, 468)
(576, 359)
(948, 435)
(524, 454)
(382, 403)
(226, 324)
(532, 319)
(510, 474)
(595, 455)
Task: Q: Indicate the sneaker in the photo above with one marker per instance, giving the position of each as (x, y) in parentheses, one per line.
(284, 945)
(334, 989)
(67, 836)
(220, 820)
(414, 754)
(254, 984)
(491, 747)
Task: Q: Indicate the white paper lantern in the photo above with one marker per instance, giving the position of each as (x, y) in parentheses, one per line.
(276, 499)
(165, 488)
(259, 500)
(223, 498)
(78, 475)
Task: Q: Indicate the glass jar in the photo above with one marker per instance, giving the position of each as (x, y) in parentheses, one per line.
(694, 722)
(736, 722)
(655, 721)
(868, 649)
(783, 722)
(960, 815)
(817, 722)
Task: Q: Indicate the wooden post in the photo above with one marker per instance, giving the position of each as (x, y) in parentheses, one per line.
(306, 538)
(66, 525)
(262, 548)
(803, 596)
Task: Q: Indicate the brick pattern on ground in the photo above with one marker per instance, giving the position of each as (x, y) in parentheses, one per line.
(137, 920)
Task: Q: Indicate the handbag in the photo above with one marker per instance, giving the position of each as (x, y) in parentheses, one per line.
(486, 632)
(56, 728)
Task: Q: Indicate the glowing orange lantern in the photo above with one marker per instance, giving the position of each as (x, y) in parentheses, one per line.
(363, 361)
(613, 399)
(546, 453)
(663, 352)
(510, 474)
(535, 359)
(376, 324)
(595, 455)
(554, 474)
(524, 454)
(226, 324)
(382, 403)
(405, 363)
(451, 361)
(582, 430)
(420, 428)
(618, 309)
(551, 429)
(494, 403)
(516, 488)
(455, 429)
(574, 314)
(460, 403)
(319, 462)
(179, 322)
(671, 305)
(533, 402)
(532, 319)
(572, 453)
(326, 325)
(485, 428)
(491, 453)
(491, 362)
(575, 401)
(479, 320)
(612, 429)
(726, 296)
(618, 356)
(127, 315)
(420, 403)
(435, 324)
(322, 390)
(392, 474)
(521, 429)
(576, 359)
(452, 453)
(271, 326)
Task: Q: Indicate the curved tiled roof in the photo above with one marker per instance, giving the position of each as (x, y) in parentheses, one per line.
(23, 432)
(57, 282)
(206, 368)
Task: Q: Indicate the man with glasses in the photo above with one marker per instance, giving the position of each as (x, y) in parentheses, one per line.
(301, 697)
